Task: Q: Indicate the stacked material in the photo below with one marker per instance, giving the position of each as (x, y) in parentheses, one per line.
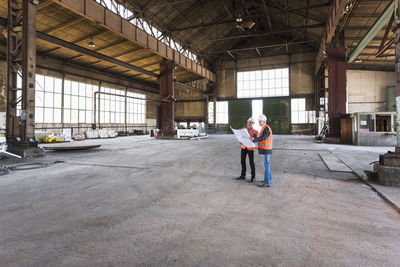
(92, 134)
(103, 134)
(107, 134)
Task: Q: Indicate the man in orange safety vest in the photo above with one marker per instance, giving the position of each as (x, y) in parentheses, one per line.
(248, 151)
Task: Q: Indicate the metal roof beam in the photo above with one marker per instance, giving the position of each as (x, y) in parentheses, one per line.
(265, 33)
(261, 47)
(76, 42)
(373, 30)
(91, 53)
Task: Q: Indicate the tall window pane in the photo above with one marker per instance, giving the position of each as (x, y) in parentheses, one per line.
(263, 83)
(222, 112)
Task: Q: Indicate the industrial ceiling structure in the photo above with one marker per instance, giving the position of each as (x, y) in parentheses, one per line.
(74, 37)
(213, 29)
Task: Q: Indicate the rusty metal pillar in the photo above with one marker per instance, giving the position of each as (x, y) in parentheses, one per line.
(337, 88)
(166, 116)
(21, 60)
(397, 70)
(28, 71)
(13, 43)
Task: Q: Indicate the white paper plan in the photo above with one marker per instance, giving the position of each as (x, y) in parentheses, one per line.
(243, 137)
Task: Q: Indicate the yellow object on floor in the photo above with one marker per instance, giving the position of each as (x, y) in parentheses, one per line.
(51, 140)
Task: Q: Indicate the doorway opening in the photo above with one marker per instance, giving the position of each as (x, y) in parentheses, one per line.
(257, 110)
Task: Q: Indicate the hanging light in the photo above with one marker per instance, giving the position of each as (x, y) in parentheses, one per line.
(91, 43)
(35, 2)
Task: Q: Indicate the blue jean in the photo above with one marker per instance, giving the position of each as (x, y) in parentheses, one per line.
(267, 169)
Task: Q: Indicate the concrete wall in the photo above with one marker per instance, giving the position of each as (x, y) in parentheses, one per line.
(151, 107)
(193, 110)
(301, 71)
(366, 90)
(189, 110)
(301, 82)
(376, 139)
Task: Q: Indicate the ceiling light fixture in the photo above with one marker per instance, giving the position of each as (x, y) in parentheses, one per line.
(91, 44)
(358, 60)
(239, 19)
(35, 2)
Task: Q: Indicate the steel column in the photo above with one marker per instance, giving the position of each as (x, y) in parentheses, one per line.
(337, 88)
(126, 110)
(13, 50)
(397, 70)
(28, 70)
(21, 127)
(167, 98)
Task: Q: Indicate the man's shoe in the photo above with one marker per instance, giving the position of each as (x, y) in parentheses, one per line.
(241, 178)
(252, 180)
(263, 185)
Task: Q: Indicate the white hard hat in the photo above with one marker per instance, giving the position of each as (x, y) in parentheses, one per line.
(262, 118)
(252, 120)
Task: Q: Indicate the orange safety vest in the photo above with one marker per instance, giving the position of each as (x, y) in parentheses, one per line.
(267, 143)
(251, 133)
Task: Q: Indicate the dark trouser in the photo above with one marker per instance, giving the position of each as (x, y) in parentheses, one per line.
(243, 154)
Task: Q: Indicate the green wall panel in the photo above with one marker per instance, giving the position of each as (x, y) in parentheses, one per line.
(277, 111)
(239, 112)
(391, 98)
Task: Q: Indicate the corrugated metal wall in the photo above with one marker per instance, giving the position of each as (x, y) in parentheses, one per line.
(277, 111)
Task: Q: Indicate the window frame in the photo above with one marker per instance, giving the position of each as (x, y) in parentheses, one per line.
(263, 83)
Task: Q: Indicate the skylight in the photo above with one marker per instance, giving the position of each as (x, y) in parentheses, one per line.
(142, 24)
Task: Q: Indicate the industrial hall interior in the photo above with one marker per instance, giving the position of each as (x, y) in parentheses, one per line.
(199, 132)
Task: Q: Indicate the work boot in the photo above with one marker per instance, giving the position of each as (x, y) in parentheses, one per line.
(241, 178)
(252, 180)
(263, 185)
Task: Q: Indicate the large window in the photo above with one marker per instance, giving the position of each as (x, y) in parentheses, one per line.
(299, 113)
(263, 83)
(136, 109)
(78, 103)
(48, 99)
(222, 112)
(112, 107)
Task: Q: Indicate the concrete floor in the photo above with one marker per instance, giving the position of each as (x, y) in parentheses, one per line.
(139, 201)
